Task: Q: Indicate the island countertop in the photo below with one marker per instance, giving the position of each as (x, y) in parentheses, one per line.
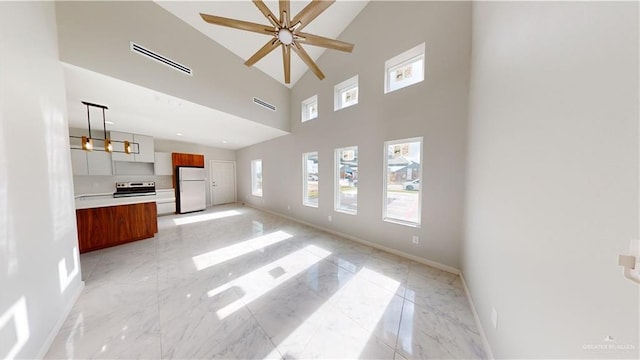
(89, 201)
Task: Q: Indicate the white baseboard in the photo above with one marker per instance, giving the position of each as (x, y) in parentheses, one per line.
(63, 317)
(485, 342)
(418, 259)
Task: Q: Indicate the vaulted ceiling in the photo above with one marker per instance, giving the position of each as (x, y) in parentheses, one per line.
(330, 24)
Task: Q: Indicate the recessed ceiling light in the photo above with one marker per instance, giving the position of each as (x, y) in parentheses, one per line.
(224, 141)
(179, 134)
(109, 122)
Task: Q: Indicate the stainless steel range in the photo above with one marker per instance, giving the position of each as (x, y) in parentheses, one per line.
(135, 188)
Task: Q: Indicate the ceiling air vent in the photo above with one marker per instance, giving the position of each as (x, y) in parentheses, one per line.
(264, 104)
(159, 58)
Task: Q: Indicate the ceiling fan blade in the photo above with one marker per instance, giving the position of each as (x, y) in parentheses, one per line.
(284, 13)
(286, 57)
(238, 24)
(310, 12)
(307, 60)
(324, 42)
(266, 49)
(266, 12)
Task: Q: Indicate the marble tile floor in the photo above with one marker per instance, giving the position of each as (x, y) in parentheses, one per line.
(237, 283)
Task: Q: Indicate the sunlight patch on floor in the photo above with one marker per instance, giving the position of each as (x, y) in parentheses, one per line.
(260, 281)
(190, 219)
(345, 341)
(218, 256)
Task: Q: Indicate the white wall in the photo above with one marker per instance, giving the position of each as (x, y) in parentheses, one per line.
(435, 109)
(553, 177)
(37, 216)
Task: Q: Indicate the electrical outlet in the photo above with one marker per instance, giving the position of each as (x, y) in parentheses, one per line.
(494, 317)
(329, 218)
(416, 239)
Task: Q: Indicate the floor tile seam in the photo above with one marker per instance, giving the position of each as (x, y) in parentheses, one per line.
(454, 320)
(395, 348)
(255, 318)
(100, 257)
(158, 297)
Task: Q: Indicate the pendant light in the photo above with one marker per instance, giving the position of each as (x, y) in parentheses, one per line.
(107, 142)
(87, 141)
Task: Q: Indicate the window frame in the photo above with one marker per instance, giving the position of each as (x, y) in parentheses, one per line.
(336, 180)
(343, 87)
(385, 181)
(304, 106)
(407, 57)
(254, 179)
(305, 180)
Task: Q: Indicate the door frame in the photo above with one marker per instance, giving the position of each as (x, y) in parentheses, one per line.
(235, 179)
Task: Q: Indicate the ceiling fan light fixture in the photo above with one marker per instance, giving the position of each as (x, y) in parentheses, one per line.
(285, 36)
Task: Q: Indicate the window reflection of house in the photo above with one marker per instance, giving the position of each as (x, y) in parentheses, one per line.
(402, 169)
(349, 169)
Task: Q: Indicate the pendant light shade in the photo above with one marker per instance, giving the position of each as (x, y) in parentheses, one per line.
(107, 145)
(87, 143)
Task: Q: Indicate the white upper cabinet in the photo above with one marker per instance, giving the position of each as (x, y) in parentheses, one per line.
(79, 162)
(117, 139)
(163, 164)
(99, 163)
(91, 162)
(145, 148)
(142, 147)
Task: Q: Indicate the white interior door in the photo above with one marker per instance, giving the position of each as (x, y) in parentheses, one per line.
(223, 182)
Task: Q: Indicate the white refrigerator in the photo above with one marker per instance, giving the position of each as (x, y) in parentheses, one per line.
(191, 190)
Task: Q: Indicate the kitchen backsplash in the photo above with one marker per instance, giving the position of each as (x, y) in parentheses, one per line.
(107, 184)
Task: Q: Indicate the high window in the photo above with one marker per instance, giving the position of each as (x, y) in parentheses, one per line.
(310, 179)
(403, 184)
(405, 69)
(346, 182)
(310, 108)
(256, 177)
(345, 94)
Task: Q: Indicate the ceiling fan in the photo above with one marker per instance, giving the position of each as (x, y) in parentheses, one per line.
(286, 32)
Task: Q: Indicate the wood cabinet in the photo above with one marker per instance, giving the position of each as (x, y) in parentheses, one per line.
(91, 162)
(181, 159)
(141, 144)
(103, 227)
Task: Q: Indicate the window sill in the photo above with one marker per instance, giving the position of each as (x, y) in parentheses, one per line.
(348, 212)
(401, 222)
(344, 107)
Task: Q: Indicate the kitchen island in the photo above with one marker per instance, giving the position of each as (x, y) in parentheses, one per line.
(104, 221)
